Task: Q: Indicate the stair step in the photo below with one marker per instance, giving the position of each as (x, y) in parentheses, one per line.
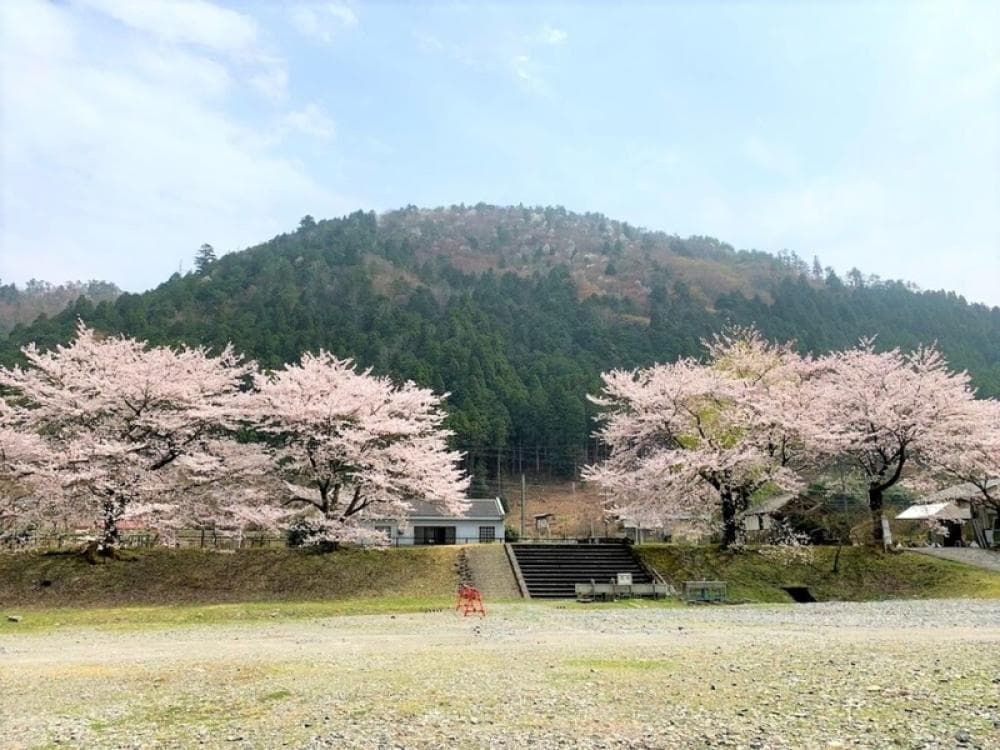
(550, 571)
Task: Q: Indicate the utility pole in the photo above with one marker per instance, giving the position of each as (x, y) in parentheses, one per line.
(522, 506)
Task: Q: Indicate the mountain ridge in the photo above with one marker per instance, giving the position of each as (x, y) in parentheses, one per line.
(515, 311)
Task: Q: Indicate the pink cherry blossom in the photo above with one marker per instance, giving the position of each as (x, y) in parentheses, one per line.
(886, 412)
(351, 446)
(120, 419)
(696, 439)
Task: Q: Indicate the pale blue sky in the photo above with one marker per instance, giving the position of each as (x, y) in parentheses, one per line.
(868, 134)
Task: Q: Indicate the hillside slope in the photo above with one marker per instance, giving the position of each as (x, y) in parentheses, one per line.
(515, 312)
(24, 305)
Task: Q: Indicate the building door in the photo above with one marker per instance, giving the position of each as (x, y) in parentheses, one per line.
(953, 534)
(433, 534)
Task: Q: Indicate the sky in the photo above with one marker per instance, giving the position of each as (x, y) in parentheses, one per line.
(867, 134)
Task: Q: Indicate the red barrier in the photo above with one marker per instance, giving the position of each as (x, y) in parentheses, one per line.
(470, 601)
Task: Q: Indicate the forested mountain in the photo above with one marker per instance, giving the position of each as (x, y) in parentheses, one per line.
(42, 298)
(515, 312)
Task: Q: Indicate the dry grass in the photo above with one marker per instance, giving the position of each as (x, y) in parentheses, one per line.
(576, 507)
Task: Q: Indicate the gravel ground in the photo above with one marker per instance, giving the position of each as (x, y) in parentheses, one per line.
(530, 675)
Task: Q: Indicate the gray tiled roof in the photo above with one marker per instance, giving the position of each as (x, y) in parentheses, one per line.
(488, 508)
(959, 492)
(770, 505)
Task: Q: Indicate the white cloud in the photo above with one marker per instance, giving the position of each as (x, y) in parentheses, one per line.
(199, 76)
(768, 156)
(183, 21)
(120, 167)
(551, 36)
(323, 20)
(522, 67)
(428, 42)
(269, 78)
(310, 120)
(527, 74)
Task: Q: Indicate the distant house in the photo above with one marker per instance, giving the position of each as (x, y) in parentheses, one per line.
(482, 522)
(643, 533)
(765, 515)
(957, 516)
(686, 528)
(758, 520)
(543, 524)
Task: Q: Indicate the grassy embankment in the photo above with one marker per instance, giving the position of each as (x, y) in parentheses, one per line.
(864, 574)
(175, 587)
(164, 587)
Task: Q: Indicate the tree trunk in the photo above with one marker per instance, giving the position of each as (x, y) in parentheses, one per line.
(95, 553)
(732, 527)
(113, 510)
(875, 510)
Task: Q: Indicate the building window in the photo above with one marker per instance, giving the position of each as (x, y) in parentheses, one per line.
(487, 534)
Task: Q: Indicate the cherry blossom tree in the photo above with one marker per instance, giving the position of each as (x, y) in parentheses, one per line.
(350, 445)
(27, 489)
(692, 439)
(123, 421)
(973, 455)
(885, 412)
(230, 486)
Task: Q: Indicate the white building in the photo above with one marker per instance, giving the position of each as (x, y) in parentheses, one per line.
(482, 522)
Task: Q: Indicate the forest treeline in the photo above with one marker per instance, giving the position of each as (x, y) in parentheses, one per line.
(25, 304)
(516, 311)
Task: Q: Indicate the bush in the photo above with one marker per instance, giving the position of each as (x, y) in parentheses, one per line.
(299, 533)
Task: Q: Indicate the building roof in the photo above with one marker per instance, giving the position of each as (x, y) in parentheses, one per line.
(479, 509)
(965, 491)
(770, 505)
(946, 511)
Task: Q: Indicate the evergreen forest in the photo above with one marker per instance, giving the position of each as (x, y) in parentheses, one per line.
(514, 311)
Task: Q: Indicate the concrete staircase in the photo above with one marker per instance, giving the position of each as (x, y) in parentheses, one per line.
(551, 571)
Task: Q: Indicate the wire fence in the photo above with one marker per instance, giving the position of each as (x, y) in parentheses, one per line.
(208, 539)
(192, 538)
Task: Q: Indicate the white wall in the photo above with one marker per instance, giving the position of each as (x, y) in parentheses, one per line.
(466, 532)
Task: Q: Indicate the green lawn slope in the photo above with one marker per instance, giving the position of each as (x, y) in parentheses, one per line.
(863, 573)
(191, 585)
(171, 576)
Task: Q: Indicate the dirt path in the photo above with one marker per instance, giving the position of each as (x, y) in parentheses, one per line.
(491, 571)
(979, 558)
